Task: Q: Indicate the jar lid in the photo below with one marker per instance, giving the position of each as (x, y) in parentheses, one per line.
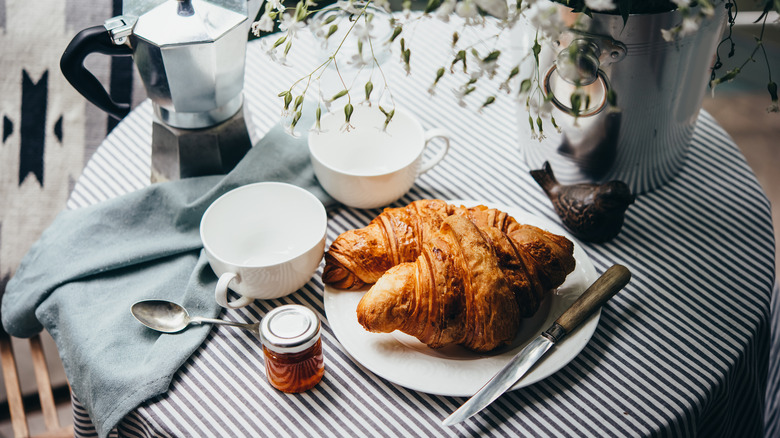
(291, 328)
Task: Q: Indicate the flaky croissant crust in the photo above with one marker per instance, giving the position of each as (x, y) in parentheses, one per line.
(359, 257)
(455, 292)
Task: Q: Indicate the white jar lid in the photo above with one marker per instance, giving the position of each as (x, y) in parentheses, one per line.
(291, 328)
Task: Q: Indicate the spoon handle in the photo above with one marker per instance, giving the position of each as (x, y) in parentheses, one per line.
(255, 328)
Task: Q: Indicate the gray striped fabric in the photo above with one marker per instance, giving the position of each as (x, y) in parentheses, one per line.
(682, 351)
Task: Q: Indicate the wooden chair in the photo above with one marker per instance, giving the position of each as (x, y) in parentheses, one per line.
(45, 392)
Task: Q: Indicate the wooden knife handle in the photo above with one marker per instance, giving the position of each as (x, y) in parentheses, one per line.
(606, 286)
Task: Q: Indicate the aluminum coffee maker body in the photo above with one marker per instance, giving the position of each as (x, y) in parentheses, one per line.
(190, 55)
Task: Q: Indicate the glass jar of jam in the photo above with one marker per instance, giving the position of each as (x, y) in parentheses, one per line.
(292, 348)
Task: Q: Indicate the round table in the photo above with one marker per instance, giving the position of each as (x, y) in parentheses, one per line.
(681, 351)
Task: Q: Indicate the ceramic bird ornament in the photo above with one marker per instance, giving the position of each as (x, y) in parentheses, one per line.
(592, 212)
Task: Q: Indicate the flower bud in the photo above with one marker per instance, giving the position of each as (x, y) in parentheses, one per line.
(340, 94)
(331, 30)
(388, 118)
(492, 56)
(439, 74)
(280, 41)
(295, 120)
(396, 32)
(431, 6)
(525, 86)
(348, 109)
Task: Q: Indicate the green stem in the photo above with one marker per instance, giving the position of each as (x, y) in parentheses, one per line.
(381, 73)
(763, 49)
(332, 57)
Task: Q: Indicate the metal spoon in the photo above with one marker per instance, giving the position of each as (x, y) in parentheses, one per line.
(168, 317)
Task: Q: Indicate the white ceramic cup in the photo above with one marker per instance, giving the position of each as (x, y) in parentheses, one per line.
(366, 166)
(263, 240)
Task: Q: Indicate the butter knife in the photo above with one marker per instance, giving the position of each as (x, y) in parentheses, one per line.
(610, 282)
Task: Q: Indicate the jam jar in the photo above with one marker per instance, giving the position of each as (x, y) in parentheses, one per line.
(292, 348)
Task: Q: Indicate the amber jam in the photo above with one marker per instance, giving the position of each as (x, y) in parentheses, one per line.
(295, 372)
(292, 348)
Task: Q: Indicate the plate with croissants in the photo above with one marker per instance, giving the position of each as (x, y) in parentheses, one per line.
(437, 296)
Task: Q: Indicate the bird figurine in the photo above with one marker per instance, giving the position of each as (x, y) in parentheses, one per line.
(592, 212)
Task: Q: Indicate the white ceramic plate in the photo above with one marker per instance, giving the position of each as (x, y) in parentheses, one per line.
(455, 371)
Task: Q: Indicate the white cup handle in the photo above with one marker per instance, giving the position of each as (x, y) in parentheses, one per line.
(433, 161)
(221, 292)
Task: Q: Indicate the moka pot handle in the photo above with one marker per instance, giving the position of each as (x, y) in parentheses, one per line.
(96, 39)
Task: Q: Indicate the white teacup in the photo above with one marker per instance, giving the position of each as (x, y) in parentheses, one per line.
(366, 166)
(263, 240)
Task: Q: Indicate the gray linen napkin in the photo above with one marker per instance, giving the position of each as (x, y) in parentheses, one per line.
(80, 279)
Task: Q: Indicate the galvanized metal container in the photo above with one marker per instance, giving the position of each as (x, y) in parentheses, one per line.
(659, 86)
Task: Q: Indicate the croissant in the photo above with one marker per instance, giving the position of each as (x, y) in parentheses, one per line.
(359, 257)
(465, 288)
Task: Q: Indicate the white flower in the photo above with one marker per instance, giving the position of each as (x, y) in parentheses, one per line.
(468, 10)
(274, 4)
(363, 29)
(445, 10)
(460, 95)
(689, 26)
(682, 3)
(600, 5)
(384, 4)
(544, 17)
(264, 24)
(541, 107)
(325, 102)
(359, 60)
(317, 128)
(291, 25)
(290, 130)
(534, 136)
(278, 56)
(496, 8)
(488, 68)
(348, 6)
(707, 10)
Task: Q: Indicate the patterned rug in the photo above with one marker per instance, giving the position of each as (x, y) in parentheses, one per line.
(48, 129)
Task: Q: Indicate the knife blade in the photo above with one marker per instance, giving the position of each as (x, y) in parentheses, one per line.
(606, 286)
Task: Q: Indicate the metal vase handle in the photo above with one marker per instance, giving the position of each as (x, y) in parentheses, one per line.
(576, 78)
(107, 39)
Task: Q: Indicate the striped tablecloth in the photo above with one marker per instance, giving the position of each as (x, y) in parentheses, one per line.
(683, 350)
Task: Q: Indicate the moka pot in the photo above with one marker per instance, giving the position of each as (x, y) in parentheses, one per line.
(190, 55)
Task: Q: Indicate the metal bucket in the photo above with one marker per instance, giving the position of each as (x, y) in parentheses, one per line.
(659, 87)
